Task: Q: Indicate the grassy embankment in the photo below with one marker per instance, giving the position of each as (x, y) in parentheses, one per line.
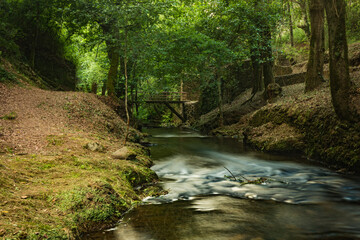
(304, 124)
(57, 177)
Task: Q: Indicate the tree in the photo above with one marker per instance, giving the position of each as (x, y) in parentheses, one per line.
(264, 19)
(291, 28)
(339, 63)
(340, 83)
(314, 74)
(268, 73)
(8, 31)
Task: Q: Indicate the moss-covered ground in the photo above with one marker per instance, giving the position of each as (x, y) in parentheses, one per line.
(61, 196)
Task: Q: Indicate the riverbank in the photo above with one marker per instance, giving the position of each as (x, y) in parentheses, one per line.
(57, 177)
(301, 123)
(295, 122)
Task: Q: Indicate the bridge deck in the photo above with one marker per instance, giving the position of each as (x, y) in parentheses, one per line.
(166, 101)
(165, 97)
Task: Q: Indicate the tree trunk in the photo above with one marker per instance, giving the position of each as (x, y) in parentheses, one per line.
(133, 84)
(94, 87)
(314, 74)
(290, 24)
(268, 73)
(33, 48)
(339, 63)
(126, 91)
(136, 100)
(221, 114)
(113, 52)
(103, 89)
(257, 71)
(113, 70)
(268, 61)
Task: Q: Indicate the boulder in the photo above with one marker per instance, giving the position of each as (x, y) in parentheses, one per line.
(273, 90)
(124, 153)
(95, 147)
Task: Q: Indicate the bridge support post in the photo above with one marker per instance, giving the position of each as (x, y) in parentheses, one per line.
(182, 118)
(184, 111)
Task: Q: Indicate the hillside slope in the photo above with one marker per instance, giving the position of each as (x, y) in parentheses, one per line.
(57, 177)
(304, 123)
(301, 123)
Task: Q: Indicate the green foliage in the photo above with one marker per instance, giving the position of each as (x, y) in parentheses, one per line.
(91, 62)
(10, 116)
(7, 31)
(209, 98)
(167, 118)
(294, 54)
(143, 114)
(7, 77)
(299, 37)
(353, 20)
(30, 31)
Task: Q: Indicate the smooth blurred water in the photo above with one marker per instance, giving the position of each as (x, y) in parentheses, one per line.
(299, 200)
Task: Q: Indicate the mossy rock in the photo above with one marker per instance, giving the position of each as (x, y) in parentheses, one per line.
(124, 153)
(275, 115)
(95, 147)
(139, 175)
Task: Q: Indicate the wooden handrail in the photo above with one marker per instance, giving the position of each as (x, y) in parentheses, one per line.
(165, 96)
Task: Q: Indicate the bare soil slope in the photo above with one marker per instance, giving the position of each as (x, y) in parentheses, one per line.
(40, 114)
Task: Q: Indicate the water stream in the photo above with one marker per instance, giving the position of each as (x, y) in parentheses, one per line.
(298, 200)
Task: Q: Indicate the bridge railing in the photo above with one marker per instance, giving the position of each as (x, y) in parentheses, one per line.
(165, 96)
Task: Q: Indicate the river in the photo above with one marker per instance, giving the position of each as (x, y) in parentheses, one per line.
(297, 199)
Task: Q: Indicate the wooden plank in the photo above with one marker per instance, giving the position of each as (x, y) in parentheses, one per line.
(166, 96)
(163, 101)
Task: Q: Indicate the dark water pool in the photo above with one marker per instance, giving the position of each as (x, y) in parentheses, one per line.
(299, 200)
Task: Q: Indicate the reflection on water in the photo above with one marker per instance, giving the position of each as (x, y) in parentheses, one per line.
(299, 201)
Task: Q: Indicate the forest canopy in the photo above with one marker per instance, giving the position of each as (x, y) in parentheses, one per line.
(162, 43)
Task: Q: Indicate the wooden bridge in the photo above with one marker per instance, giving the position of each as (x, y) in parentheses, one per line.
(168, 98)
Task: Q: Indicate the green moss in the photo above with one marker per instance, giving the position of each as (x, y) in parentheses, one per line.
(9, 116)
(90, 207)
(55, 140)
(281, 146)
(154, 190)
(46, 232)
(276, 115)
(7, 77)
(326, 138)
(138, 175)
